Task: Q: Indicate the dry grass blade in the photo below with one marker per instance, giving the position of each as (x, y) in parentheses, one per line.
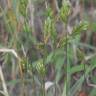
(90, 57)
(5, 50)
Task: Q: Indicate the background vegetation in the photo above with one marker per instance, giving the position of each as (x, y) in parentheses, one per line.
(47, 48)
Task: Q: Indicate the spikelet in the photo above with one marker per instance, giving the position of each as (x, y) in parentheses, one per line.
(22, 6)
(65, 11)
(41, 68)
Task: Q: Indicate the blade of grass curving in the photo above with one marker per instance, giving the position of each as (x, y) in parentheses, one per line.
(77, 68)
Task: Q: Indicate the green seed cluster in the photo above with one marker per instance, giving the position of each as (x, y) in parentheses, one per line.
(82, 26)
(25, 65)
(65, 11)
(49, 29)
(22, 7)
(48, 26)
(41, 68)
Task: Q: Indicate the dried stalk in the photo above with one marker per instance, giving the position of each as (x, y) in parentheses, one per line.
(3, 83)
(9, 4)
(90, 84)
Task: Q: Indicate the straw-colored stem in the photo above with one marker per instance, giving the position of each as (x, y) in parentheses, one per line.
(3, 82)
